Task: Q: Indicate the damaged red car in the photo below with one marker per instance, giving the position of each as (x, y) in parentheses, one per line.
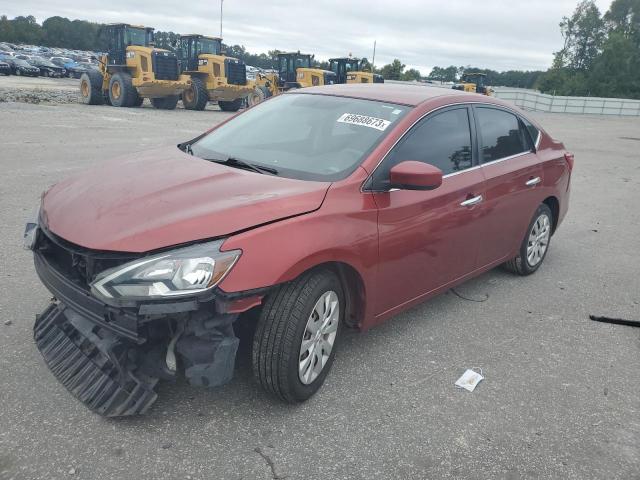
(317, 209)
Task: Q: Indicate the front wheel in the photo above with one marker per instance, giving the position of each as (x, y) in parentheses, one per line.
(196, 96)
(535, 244)
(297, 332)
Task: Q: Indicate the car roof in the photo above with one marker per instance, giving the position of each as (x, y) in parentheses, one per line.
(404, 94)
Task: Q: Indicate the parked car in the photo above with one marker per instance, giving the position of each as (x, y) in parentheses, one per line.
(72, 68)
(346, 205)
(47, 68)
(5, 68)
(21, 67)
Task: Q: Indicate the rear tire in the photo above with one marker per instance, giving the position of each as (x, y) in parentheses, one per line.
(259, 95)
(196, 96)
(300, 321)
(535, 245)
(165, 103)
(91, 88)
(122, 93)
(231, 105)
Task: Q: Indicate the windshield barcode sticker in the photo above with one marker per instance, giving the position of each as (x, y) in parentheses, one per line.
(365, 121)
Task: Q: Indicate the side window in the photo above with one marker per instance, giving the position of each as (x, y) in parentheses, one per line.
(442, 140)
(533, 131)
(501, 134)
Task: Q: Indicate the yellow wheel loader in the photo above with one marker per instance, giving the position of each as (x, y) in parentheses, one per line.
(131, 70)
(294, 71)
(214, 77)
(474, 82)
(349, 70)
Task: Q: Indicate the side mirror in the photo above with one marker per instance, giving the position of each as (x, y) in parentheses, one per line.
(412, 175)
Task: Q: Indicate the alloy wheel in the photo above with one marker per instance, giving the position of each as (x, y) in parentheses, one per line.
(538, 240)
(319, 337)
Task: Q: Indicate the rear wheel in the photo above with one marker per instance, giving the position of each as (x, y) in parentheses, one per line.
(535, 244)
(231, 105)
(295, 338)
(122, 93)
(195, 97)
(259, 95)
(91, 88)
(165, 103)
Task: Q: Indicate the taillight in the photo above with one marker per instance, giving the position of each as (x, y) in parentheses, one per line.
(569, 159)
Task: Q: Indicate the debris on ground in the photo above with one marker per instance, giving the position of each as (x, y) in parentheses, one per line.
(615, 321)
(470, 299)
(470, 379)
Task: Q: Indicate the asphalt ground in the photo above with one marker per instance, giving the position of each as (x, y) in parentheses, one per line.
(561, 398)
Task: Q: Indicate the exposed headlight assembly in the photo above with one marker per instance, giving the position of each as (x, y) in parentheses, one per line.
(184, 271)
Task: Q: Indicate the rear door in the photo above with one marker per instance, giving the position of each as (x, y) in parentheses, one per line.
(427, 238)
(512, 174)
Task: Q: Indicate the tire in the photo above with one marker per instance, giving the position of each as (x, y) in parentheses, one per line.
(281, 329)
(196, 96)
(122, 93)
(533, 252)
(231, 105)
(259, 95)
(91, 88)
(165, 103)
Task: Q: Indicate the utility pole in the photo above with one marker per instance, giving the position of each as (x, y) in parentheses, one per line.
(373, 60)
(221, 2)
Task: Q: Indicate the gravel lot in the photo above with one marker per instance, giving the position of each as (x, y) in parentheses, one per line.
(561, 397)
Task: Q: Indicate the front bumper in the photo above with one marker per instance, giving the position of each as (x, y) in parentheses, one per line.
(111, 358)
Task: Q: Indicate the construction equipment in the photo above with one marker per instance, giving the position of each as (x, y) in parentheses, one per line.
(131, 70)
(294, 71)
(349, 70)
(214, 77)
(474, 82)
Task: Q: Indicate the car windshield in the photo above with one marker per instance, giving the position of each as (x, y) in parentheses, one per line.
(302, 136)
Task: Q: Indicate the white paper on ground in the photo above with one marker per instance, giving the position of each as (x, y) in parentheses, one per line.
(469, 380)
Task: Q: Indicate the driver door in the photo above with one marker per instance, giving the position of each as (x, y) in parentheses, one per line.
(427, 239)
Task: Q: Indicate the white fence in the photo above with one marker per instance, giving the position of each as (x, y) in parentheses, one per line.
(539, 102)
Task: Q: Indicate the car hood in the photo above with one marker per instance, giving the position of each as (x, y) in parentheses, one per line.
(164, 197)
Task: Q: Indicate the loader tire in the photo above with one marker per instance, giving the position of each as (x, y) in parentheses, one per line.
(122, 93)
(139, 100)
(165, 103)
(259, 95)
(91, 88)
(231, 105)
(196, 96)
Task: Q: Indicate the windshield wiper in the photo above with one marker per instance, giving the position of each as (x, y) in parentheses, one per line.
(236, 162)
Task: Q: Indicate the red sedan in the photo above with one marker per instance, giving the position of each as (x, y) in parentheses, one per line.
(323, 207)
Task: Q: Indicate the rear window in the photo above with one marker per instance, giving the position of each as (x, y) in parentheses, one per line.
(501, 134)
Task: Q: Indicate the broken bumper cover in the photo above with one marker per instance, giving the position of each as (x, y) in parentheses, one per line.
(111, 358)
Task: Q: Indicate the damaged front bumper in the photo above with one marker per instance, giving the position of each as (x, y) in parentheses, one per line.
(110, 358)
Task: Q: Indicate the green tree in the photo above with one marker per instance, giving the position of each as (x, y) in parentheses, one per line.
(411, 75)
(393, 71)
(584, 34)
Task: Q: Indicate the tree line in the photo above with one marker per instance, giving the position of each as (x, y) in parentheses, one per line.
(600, 55)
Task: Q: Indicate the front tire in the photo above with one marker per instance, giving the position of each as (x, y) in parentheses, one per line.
(296, 336)
(535, 245)
(195, 97)
(165, 103)
(230, 105)
(122, 93)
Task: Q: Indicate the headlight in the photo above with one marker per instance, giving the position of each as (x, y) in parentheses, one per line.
(184, 271)
(31, 229)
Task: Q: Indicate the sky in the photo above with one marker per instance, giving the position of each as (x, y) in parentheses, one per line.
(501, 35)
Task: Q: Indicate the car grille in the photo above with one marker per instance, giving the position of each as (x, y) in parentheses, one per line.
(165, 66)
(77, 264)
(236, 71)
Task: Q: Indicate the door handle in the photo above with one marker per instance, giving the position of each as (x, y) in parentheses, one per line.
(471, 201)
(533, 182)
